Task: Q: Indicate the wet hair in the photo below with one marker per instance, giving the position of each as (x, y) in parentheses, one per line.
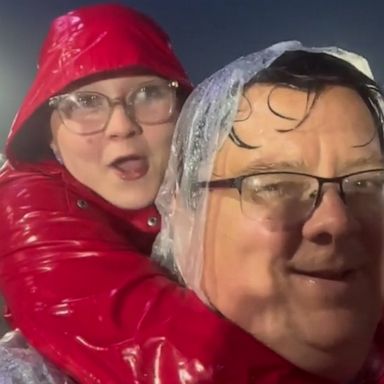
(312, 72)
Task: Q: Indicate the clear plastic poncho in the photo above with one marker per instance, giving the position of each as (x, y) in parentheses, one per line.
(204, 124)
(21, 364)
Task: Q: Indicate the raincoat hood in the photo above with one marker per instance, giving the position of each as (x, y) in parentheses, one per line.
(84, 42)
(205, 122)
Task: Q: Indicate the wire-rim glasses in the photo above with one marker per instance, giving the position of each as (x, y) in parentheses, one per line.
(285, 199)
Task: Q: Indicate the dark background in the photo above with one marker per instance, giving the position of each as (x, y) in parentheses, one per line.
(206, 34)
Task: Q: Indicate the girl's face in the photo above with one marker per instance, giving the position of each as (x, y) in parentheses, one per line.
(124, 162)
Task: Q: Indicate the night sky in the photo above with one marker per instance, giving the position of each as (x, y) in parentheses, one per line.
(206, 34)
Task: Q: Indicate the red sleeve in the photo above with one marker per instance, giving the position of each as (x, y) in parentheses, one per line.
(92, 304)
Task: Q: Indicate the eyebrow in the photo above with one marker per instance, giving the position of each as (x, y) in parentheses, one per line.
(257, 166)
(263, 166)
(372, 160)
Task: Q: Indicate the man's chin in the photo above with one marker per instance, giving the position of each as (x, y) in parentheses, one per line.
(335, 329)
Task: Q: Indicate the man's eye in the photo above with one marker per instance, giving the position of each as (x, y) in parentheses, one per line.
(368, 185)
(277, 190)
(312, 194)
(271, 188)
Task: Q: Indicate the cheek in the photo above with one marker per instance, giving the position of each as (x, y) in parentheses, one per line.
(74, 148)
(372, 237)
(158, 139)
(242, 257)
(373, 231)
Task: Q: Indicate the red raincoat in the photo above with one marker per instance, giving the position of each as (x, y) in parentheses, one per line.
(74, 270)
(79, 285)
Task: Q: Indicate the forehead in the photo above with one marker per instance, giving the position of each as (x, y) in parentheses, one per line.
(121, 83)
(331, 128)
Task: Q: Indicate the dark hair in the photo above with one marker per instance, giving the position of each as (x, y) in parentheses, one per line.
(312, 72)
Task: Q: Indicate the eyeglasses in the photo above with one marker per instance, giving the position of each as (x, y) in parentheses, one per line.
(86, 112)
(285, 199)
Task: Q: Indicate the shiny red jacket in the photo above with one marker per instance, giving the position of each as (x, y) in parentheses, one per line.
(78, 283)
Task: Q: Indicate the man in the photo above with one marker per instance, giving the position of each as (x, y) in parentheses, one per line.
(278, 215)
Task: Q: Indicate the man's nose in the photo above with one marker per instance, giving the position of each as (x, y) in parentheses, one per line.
(331, 219)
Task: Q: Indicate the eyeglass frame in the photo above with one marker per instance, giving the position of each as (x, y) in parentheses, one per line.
(236, 182)
(125, 102)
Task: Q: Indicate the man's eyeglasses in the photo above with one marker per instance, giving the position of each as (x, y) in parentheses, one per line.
(86, 112)
(285, 199)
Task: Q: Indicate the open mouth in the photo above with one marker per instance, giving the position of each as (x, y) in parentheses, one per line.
(130, 167)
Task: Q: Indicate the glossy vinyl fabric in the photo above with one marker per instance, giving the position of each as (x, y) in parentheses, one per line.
(78, 283)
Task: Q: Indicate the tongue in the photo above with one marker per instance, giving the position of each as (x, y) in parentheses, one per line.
(131, 169)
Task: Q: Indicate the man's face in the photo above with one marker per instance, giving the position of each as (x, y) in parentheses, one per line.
(315, 284)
